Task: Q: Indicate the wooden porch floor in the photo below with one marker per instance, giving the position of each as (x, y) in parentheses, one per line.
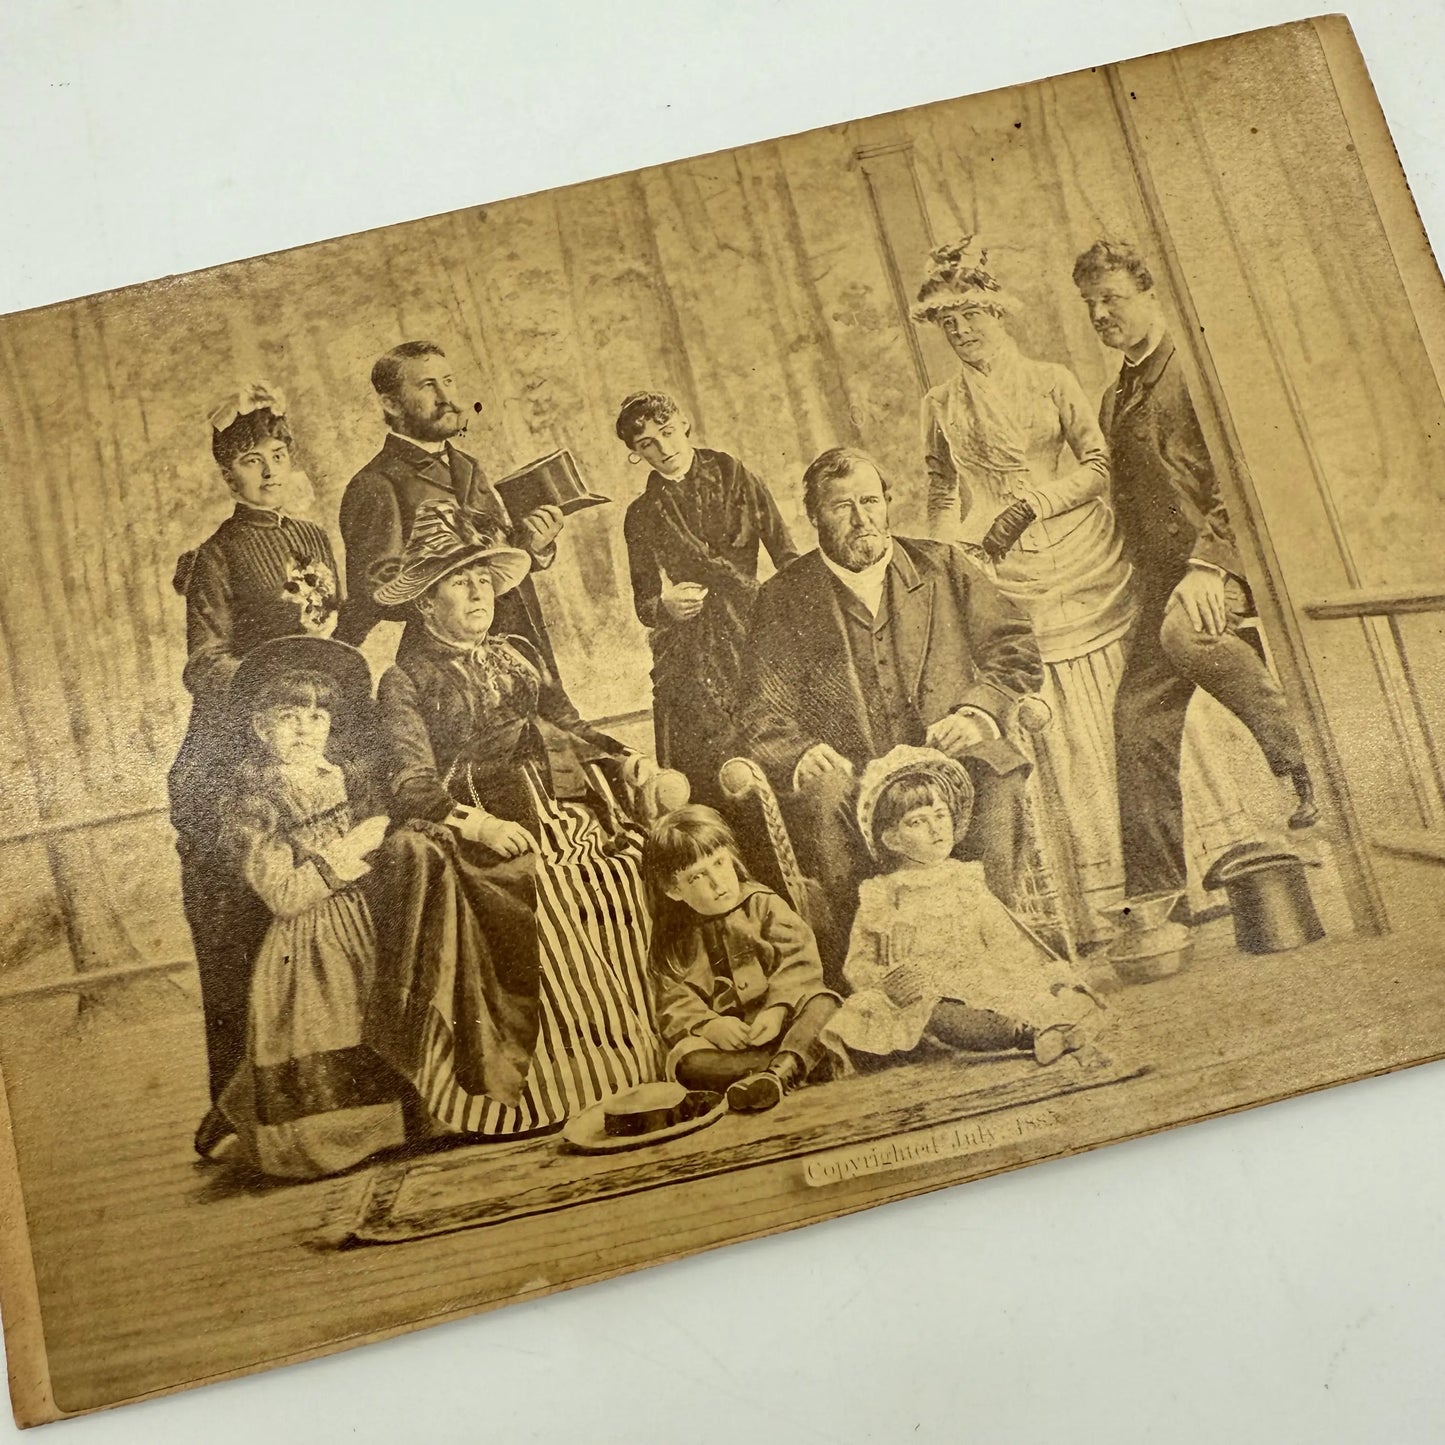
(155, 1270)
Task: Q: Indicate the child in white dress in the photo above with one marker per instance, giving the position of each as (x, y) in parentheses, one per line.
(933, 954)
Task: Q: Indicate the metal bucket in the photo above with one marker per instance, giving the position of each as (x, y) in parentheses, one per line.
(1145, 946)
(1152, 953)
(1142, 913)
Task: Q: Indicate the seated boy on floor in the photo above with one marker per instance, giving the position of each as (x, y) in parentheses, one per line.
(736, 975)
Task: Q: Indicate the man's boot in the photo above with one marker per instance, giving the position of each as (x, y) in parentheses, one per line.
(1307, 814)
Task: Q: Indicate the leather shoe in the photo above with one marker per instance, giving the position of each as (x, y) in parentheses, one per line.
(215, 1129)
(765, 1090)
(1052, 1044)
(755, 1093)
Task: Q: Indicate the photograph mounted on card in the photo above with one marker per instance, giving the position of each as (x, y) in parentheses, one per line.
(1000, 716)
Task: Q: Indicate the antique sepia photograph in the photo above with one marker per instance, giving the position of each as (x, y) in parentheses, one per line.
(548, 738)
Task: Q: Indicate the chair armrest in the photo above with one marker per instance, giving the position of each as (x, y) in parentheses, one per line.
(1033, 714)
(742, 779)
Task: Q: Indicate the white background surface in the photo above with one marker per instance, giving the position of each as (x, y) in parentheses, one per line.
(1278, 1276)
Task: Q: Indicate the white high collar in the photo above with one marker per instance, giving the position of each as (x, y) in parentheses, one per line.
(437, 449)
(867, 585)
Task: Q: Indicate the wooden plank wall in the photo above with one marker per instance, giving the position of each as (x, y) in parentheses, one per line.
(1337, 405)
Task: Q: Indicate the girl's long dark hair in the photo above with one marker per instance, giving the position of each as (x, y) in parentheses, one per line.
(244, 796)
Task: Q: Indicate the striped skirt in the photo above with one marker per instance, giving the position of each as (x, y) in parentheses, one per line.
(596, 1033)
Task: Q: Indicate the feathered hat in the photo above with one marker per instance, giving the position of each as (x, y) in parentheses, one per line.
(443, 539)
(958, 275)
(904, 761)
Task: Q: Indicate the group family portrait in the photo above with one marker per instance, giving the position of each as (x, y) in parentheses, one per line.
(520, 715)
(463, 890)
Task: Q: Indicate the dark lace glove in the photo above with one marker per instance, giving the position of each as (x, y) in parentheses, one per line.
(1007, 528)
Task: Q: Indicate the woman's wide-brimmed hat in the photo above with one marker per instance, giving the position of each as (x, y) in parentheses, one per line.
(649, 1114)
(908, 762)
(959, 275)
(305, 652)
(443, 539)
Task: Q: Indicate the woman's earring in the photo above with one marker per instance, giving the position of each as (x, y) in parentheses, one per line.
(633, 458)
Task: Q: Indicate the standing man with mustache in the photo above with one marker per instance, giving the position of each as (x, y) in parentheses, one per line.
(1188, 576)
(418, 462)
(869, 642)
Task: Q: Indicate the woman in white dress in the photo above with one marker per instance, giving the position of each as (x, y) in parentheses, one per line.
(1019, 476)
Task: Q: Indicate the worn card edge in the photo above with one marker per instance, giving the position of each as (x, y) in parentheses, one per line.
(32, 1398)
(26, 1364)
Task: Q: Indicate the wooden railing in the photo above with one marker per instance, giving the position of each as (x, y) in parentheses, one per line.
(87, 980)
(1378, 610)
(1378, 602)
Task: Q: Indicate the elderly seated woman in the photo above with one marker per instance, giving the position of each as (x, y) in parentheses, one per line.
(512, 931)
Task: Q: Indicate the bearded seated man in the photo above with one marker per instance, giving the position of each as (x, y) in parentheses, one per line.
(872, 641)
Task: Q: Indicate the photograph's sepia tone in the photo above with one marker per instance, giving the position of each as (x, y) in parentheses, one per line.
(549, 738)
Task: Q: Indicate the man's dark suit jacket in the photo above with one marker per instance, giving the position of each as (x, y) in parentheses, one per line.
(377, 510)
(960, 643)
(1165, 494)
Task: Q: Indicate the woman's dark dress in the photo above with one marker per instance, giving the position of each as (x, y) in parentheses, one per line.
(512, 993)
(249, 582)
(704, 527)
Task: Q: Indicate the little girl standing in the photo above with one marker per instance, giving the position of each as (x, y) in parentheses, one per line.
(932, 951)
(308, 1099)
(739, 986)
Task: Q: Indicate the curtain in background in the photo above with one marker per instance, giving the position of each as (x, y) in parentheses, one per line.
(756, 285)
